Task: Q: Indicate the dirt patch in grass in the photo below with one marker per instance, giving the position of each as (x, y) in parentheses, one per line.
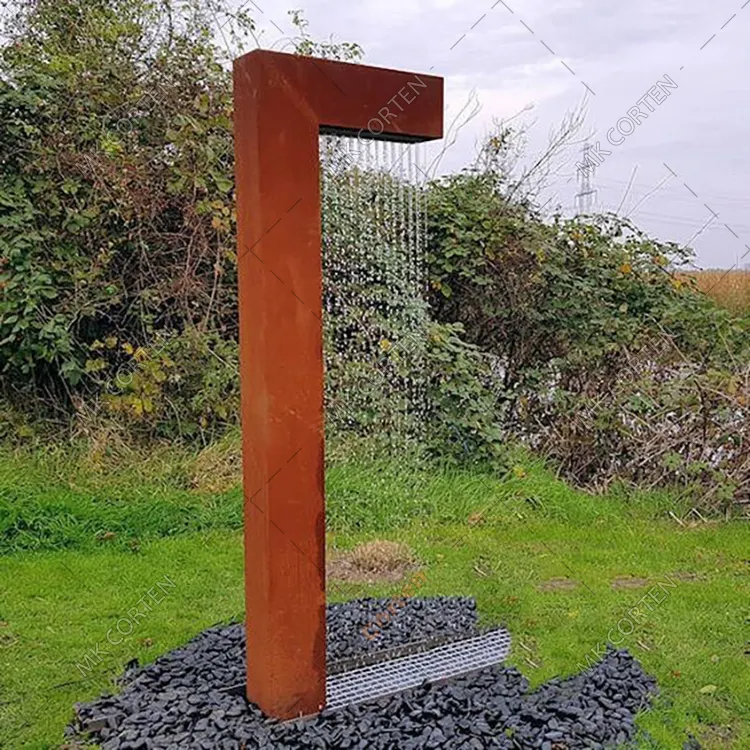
(685, 576)
(475, 519)
(558, 584)
(717, 737)
(378, 561)
(629, 582)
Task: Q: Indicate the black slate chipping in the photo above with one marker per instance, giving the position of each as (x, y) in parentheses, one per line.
(180, 700)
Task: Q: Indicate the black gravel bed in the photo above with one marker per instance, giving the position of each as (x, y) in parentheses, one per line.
(181, 701)
(417, 620)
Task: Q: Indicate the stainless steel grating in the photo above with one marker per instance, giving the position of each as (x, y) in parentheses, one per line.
(441, 663)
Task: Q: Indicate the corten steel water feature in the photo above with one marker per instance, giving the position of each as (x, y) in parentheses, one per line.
(281, 105)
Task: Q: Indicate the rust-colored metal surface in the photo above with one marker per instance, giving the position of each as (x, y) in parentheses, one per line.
(282, 103)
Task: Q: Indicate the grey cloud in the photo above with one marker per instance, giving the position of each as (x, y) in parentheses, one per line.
(620, 50)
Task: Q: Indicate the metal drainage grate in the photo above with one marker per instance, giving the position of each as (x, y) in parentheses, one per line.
(442, 663)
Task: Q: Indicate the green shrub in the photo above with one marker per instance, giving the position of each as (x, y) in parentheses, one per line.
(116, 211)
(604, 356)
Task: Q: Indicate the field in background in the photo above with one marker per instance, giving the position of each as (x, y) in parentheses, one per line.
(731, 289)
(85, 537)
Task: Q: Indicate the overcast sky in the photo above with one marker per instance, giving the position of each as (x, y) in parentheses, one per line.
(691, 152)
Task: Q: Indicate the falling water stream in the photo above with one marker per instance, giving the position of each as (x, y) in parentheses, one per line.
(374, 283)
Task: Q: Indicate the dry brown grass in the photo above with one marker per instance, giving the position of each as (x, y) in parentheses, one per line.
(731, 289)
(718, 737)
(629, 582)
(558, 584)
(371, 562)
(218, 467)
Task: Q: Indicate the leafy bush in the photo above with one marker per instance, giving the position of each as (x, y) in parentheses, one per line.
(117, 261)
(604, 356)
(396, 381)
(192, 378)
(116, 213)
(547, 298)
(661, 420)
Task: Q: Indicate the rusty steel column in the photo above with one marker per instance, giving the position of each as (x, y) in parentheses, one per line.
(281, 104)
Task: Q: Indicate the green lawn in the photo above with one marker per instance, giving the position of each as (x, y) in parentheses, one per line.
(562, 569)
